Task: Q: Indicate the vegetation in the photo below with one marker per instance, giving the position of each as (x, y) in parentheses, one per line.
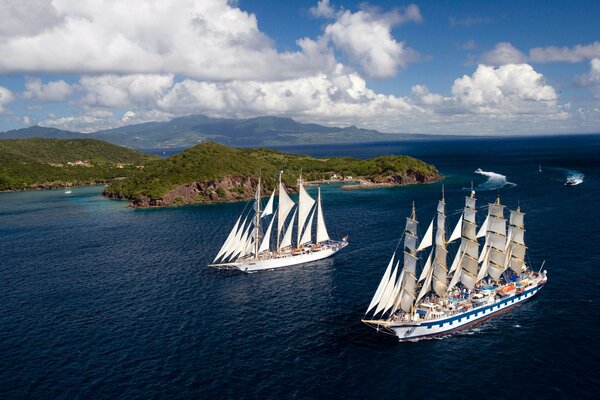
(45, 163)
(210, 161)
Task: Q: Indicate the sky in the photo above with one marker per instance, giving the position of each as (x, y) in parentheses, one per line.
(441, 67)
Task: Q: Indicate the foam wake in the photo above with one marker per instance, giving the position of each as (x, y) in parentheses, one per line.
(494, 181)
(574, 177)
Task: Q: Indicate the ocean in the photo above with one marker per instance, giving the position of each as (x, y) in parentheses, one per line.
(102, 301)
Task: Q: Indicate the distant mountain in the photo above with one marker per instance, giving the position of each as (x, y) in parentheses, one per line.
(37, 131)
(193, 129)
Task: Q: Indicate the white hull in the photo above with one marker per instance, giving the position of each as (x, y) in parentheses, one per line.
(286, 260)
(411, 331)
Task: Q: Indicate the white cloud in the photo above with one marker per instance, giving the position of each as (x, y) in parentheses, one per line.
(573, 54)
(6, 97)
(209, 39)
(503, 53)
(323, 9)
(513, 97)
(509, 89)
(113, 90)
(365, 38)
(51, 91)
(591, 79)
(26, 18)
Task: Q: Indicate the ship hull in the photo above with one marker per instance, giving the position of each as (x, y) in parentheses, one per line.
(443, 326)
(250, 266)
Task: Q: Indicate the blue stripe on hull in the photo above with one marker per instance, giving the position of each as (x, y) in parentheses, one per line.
(516, 300)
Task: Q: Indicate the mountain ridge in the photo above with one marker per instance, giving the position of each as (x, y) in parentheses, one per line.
(186, 131)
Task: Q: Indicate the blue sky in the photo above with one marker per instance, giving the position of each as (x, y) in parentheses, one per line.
(470, 67)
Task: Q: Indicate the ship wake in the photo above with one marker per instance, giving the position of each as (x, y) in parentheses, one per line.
(494, 180)
(574, 177)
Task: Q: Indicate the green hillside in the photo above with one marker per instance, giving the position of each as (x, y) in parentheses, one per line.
(211, 167)
(43, 163)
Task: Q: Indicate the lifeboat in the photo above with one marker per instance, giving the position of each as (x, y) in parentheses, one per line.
(507, 290)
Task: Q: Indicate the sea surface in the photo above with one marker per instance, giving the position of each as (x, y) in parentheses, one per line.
(101, 301)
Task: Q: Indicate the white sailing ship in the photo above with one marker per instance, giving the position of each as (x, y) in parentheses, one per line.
(477, 286)
(249, 249)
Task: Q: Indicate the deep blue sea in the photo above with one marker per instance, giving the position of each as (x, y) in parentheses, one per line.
(100, 301)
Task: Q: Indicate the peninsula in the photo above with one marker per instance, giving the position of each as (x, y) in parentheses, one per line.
(210, 172)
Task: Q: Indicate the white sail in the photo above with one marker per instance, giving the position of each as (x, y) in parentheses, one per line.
(322, 234)
(457, 258)
(235, 241)
(483, 271)
(285, 206)
(427, 239)
(264, 245)
(307, 235)
(456, 232)
(440, 270)
(229, 239)
(426, 268)
(389, 290)
(305, 204)
(269, 207)
(287, 237)
(484, 228)
(242, 243)
(382, 284)
(425, 288)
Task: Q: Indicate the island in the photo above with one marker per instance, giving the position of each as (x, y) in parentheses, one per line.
(38, 163)
(210, 172)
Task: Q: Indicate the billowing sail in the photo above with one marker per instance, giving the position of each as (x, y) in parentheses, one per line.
(456, 232)
(287, 237)
(427, 239)
(494, 264)
(307, 235)
(382, 284)
(388, 291)
(426, 268)
(229, 239)
(285, 206)
(264, 246)
(516, 255)
(305, 204)
(322, 234)
(425, 288)
(241, 247)
(484, 228)
(467, 267)
(407, 294)
(269, 207)
(235, 242)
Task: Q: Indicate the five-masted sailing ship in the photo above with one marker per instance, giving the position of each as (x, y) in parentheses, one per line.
(478, 285)
(249, 249)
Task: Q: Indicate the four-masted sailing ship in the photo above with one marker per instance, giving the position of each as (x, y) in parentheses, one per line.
(249, 249)
(478, 285)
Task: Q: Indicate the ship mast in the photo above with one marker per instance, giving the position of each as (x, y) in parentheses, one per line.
(257, 223)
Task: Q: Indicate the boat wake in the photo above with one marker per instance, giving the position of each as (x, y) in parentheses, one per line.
(574, 177)
(494, 181)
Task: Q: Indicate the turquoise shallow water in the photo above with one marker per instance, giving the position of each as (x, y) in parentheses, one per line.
(102, 301)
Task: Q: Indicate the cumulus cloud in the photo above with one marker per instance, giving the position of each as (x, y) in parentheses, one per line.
(508, 89)
(51, 91)
(573, 54)
(209, 39)
(591, 79)
(503, 53)
(366, 40)
(111, 90)
(6, 97)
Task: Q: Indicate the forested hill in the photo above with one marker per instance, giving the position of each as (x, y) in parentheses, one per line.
(211, 172)
(45, 163)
